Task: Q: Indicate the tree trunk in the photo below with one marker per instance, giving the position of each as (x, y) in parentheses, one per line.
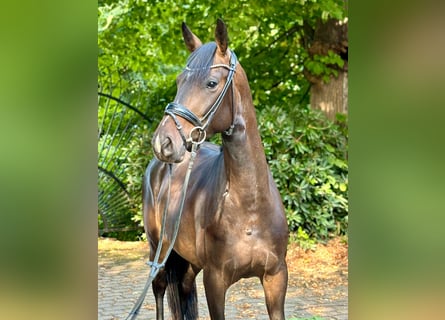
(330, 97)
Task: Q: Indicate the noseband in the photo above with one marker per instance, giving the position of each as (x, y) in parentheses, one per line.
(174, 109)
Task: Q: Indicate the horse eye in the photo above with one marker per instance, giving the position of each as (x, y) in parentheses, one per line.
(212, 84)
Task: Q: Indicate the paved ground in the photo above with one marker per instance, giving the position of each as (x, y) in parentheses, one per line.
(120, 284)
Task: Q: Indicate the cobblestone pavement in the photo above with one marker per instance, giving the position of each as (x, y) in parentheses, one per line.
(120, 284)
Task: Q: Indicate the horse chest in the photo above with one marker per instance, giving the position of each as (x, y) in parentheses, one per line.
(242, 253)
(236, 237)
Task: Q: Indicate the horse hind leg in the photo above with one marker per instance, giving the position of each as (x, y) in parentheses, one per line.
(275, 287)
(181, 288)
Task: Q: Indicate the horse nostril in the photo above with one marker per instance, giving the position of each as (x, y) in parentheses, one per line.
(163, 146)
(167, 141)
(167, 147)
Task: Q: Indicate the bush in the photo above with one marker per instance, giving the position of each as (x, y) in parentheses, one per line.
(307, 155)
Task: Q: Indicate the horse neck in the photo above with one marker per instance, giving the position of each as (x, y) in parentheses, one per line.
(244, 160)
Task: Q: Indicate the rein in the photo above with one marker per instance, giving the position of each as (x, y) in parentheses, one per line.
(155, 265)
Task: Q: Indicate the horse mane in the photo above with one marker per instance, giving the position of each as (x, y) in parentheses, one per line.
(199, 62)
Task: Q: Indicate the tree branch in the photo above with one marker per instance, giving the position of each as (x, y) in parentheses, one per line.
(287, 33)
(106, 95)
(113, 176)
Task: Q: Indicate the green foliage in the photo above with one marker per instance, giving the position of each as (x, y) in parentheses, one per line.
(129, 159)
(307, 156)
(302, 239)
(141, 51)
(324, 66)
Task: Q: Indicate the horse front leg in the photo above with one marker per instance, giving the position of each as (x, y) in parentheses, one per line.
(158, 286)
(215, 291)
(275, 287)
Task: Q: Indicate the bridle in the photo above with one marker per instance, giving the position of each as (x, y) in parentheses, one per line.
(175, 109)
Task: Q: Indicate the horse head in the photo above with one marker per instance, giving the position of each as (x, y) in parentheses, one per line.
(205, 91)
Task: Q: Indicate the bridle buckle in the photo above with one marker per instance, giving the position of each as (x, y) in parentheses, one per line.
(202, 135)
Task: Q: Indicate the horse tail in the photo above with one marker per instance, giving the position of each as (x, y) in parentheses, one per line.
(182, 301)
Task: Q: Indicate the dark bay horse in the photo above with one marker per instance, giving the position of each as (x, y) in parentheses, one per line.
(233, 224)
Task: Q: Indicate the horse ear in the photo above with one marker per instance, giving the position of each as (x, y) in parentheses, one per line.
(191, 41)
(221, 37)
